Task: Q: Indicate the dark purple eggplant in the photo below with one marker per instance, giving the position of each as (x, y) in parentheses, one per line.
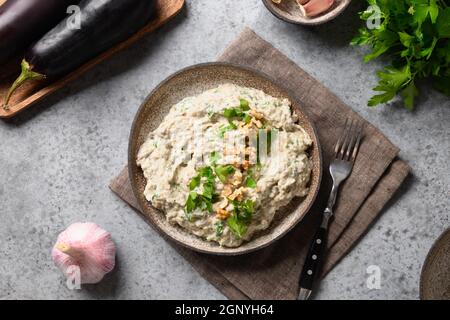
(63, 49)
(24, 21)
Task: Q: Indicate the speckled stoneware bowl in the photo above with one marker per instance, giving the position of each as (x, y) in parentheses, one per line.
(193, 81)
(435, 278)
(289, 11)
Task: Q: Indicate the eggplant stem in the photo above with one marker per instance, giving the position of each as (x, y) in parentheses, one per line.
(25, 75)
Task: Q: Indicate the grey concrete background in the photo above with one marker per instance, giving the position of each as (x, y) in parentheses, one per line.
(57, 159)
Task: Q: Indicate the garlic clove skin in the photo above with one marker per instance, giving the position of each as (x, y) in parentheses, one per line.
(88, 247)
(315, 7)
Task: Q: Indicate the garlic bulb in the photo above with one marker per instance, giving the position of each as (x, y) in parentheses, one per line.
(88, 248)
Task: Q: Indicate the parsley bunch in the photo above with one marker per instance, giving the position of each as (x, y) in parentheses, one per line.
(415, 35)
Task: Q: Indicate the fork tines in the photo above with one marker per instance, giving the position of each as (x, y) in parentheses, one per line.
(348, 144)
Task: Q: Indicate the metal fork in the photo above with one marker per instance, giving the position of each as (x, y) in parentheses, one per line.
(345, 153)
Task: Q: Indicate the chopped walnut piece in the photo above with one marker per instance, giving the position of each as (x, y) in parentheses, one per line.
(257, 115)
(223, 204)
(237, 178)
(238, 194)
(257, 123)
(227, 190)
(246, 165)
(222, 214)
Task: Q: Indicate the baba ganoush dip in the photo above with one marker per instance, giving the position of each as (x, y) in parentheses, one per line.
(223, 162)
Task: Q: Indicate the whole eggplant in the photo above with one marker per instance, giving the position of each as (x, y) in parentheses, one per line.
(63, 49)
(24, 21)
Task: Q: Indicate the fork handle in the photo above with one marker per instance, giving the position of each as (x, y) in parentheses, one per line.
(314, 258)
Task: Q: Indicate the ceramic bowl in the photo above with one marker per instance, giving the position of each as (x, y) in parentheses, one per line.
(289, 11)
(193, 81)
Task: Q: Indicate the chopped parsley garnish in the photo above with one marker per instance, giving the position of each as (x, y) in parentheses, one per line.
(231, 113)
(224, 129)
(208, 190)
(237, 112)
(191, 204)
(214, 157)
(223, 172)
(205, 200)
(241, 218)
(195, 182)
(247, 118)
(244, 105)
(250, 182)
(219, 228)
(236, 226)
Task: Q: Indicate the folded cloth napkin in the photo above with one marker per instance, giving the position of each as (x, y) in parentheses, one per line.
(273, 272)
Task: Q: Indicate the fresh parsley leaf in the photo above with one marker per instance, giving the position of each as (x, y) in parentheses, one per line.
(219, 228)
(191, 204)
(250, 182)
(224, 129)
(207, 204)
(207, 173)
(241, 218)
(238, 113)
(214, 157)
(238, 227)
(230, 113)
(232, 125)
(409, 94)
(433, 10)
(194, 183)
(443, 23)
(208, 190)
(391, 81)
(246, 210)
(386, 39)
(223, 172)
(244, 104)
(364, 37)
(205, 200)
(405, 39)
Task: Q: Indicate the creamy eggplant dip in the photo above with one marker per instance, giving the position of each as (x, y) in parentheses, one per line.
(223, 162)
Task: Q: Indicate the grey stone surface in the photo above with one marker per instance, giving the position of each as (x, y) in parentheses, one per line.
(57, 159)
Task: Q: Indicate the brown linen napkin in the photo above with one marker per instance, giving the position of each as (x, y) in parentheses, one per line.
(272, 273)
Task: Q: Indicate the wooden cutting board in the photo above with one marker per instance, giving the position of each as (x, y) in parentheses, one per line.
(32, 92)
